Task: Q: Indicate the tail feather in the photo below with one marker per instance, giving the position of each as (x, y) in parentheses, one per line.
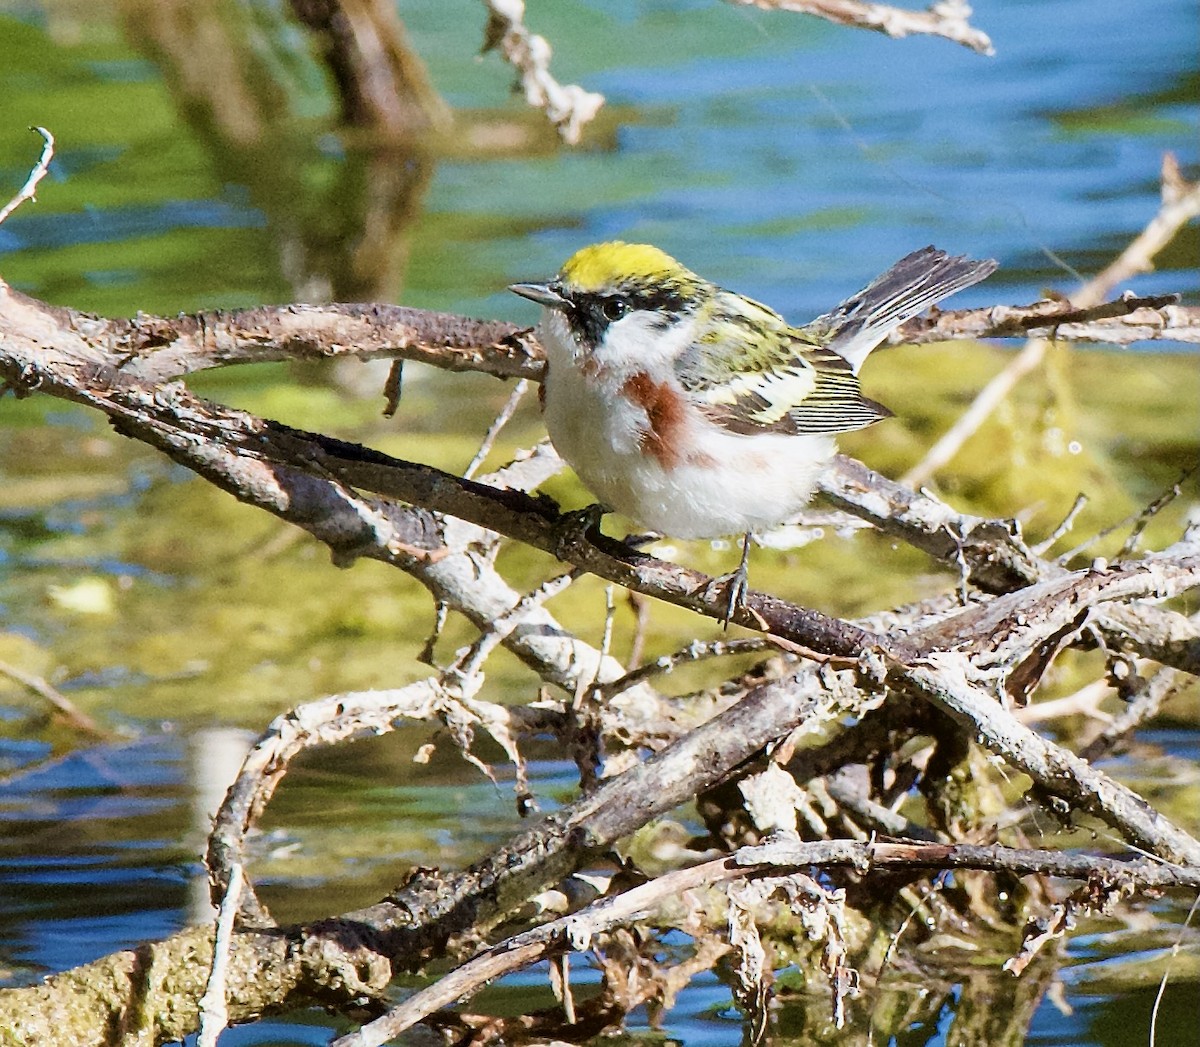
(908, 288)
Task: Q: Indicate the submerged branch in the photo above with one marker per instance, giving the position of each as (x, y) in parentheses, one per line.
(780, 857)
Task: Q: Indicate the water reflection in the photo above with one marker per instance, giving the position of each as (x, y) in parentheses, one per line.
(91, 856)
(215, 756)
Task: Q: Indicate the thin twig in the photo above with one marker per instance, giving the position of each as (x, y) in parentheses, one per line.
(1145, 706)
(1083, 702)
(695, 651)
(1119, 321)
(1162, 985)
(501, 420)
(1152, 510)
(329, 721)
(469, 663)
(1181, 203)
(441, 611)
(948, 19)
(27, 191)
(214, 1012)
(1068, 522)
(61, 703)
(1135, 521)
(610, 616)
(641, 619)
(938, 884)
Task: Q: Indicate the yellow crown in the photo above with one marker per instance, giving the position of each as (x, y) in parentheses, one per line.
(601, 266)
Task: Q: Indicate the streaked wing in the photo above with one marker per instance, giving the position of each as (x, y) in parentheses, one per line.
(784, 385)
(836, 403)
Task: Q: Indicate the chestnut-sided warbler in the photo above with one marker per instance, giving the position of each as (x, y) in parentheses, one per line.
(698, 412)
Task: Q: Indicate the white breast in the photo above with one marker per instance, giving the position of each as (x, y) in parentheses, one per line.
(728, 484)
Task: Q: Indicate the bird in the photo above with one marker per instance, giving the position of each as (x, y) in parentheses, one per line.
(697, 412)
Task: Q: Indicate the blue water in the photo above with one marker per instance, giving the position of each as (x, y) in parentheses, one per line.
(97, 854)
(799, 169)
(783, 156)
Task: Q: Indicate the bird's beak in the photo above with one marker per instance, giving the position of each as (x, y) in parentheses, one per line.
(543, 294)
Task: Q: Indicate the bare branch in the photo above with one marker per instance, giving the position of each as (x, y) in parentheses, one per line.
(778, 857)
(949, 19)
(947, 685)
(1144, 706)
(693, 652)
(1181, 203)
(1127, 319)
(158, 348)
(36, 175)
(956, 658)
(568, 107)
(333, 720)
(63, 705)
(161, 348)
(501, 420)
(214, 1010)
(992, 552)
(172, 420)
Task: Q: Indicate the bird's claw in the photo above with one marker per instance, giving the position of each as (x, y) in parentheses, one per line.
(640, 539)
(736, 585)
(574, 528)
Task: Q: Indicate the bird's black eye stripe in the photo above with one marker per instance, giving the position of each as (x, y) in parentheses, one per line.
(664, 298)
(591, 313)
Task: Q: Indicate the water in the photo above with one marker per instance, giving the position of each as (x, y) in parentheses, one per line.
(784, 157)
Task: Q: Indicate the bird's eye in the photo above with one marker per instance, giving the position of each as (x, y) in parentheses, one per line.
(614, 308)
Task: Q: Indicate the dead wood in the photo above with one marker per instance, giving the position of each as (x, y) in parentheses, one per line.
(958, 657)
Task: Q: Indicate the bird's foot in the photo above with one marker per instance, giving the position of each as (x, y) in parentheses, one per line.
(575, 528)
(736, 585)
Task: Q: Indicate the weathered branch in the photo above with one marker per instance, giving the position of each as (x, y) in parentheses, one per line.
(949, 19)
(188, 430)
(1180, 204)
(337, 719)
(777, 858)
(567, 106)
(26, 192)
(991, 553)
(158, 349)
(958, 662)
(1123, 321)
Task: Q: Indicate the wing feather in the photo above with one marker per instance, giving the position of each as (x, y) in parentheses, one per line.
(786, 384)
(804, 379)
